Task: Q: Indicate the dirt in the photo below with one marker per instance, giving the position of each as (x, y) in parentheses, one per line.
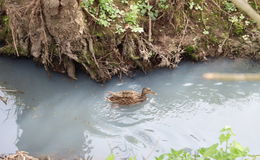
(19, 155)
(22, 155)
(64, 38)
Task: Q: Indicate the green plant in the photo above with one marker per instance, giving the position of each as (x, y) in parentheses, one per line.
(124, 1)
(107, 13)
(147, 10)
(111, 157)
(131, 17)
(163, 4)
(190, 49)
(225, 149)
(5, 20)
(239, 24)
(175, 155)
(229, 6)
(196, 6)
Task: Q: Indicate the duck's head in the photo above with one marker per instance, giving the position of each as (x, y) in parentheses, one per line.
(148, 91)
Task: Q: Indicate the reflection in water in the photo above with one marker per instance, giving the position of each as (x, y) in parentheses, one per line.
(66, 118)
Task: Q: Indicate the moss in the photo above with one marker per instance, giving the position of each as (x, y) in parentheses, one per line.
(190, 49)
(191, 53)
(54, 49)
(214, 39)
(5, 32)
(9, 50)
(1, 5)
(99, 49)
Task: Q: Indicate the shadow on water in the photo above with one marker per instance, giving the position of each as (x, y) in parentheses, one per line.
(67, 118)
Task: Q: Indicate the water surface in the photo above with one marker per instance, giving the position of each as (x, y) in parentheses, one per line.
(65, 118)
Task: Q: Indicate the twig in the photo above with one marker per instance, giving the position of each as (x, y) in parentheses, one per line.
(10, 90)
(215, 3)
(95, 18)
(183, 36)
(14, 41)
(92, 51)
(150, 30)
(150, 23)
(220, 47)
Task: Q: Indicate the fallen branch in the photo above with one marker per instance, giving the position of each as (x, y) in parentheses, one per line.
(4, 100)
(11, 90)
(150, 24)
(232, 76)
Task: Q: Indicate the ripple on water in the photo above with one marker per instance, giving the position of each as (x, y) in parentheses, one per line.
(187, 112)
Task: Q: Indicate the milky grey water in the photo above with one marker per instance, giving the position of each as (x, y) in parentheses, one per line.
(60, 117)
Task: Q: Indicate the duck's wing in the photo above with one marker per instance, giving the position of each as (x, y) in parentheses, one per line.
(124, 94)
(115, 94)
(129, 94)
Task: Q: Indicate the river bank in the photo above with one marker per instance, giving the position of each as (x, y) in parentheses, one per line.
(67, 37)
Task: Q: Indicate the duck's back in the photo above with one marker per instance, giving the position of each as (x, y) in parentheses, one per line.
(125, 97)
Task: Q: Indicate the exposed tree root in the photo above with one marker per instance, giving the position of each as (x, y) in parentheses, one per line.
(60, 34)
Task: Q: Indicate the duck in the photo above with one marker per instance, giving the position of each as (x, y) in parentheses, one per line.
(129, 97)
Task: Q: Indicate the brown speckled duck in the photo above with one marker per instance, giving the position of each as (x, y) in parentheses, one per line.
(129, 97)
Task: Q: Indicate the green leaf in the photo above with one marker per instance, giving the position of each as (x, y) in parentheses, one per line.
(224, 138)
(238, 150)
(210, 151)
(111, 157)
(161, 157)
(227, 133)
(137, 29)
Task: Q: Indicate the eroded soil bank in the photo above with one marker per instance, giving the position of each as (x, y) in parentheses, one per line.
(64, 36)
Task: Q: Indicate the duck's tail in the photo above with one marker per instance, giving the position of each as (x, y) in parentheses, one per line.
(110, 92)
(107, 99)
